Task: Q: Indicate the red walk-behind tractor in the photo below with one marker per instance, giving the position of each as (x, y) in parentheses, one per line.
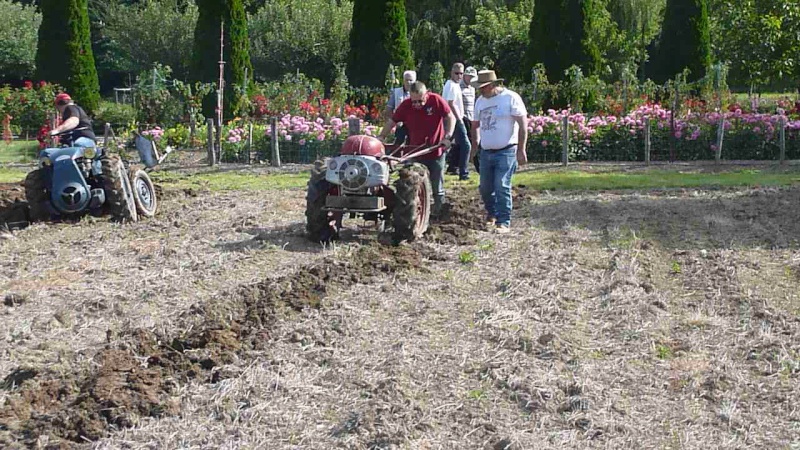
(357, 183)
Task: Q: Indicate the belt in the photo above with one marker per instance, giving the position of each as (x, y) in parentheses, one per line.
(492, 150)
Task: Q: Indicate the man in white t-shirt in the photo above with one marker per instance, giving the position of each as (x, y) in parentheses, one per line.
(500, 129)
(452, 94)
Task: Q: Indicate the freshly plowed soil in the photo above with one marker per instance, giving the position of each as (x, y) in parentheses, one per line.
(136, 379)
(652, 319)
(13, 207)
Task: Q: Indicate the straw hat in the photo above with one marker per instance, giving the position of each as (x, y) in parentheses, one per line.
(485, 77)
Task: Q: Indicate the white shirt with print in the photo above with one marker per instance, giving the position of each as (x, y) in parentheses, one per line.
(452, 92)
(496, 115)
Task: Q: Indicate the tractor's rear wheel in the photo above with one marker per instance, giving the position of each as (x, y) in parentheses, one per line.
(119, 192)
(37, 196)
(412, 210)
(321, 225)
(144, 193)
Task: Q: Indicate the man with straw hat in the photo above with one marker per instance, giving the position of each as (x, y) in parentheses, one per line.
(499, 128)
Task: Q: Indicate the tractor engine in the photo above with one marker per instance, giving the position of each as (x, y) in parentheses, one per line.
(356, 174)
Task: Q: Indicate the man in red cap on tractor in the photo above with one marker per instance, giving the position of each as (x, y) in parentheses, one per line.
(74, 118)
(429, 121)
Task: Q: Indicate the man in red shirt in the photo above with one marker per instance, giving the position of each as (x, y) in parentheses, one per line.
(428, 119)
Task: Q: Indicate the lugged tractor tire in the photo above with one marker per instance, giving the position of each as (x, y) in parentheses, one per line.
(37, 196)
(414, 198)
(144, 193)
(321, 225)
(118, 190)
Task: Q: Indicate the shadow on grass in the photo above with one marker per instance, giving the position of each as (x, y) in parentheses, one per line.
(679, 219)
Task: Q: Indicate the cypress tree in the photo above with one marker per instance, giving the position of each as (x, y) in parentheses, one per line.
(205, 53)
(685, 41)
(64, 55)
(559, 37)
(379, 37)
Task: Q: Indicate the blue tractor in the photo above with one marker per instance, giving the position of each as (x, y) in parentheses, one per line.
(71, 181)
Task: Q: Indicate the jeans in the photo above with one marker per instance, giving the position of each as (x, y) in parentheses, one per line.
(464, 148)
(497, 168)
(435, 168)
(84, 142)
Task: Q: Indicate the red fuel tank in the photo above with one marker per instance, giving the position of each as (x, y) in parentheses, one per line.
(363, 145)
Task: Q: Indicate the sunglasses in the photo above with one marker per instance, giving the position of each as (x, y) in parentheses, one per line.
(459, 73)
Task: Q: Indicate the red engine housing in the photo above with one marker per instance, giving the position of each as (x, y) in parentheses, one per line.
(363, 145)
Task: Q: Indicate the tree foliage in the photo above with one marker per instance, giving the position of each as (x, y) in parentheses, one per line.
(759, 40)
(498, 39)
(205, 53)
(64, 55)
(18, 39)
(143, 34)
(684, 42)
(378, 38)
(306, 35)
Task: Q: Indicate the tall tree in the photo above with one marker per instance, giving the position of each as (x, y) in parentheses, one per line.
(685, 41)
(560, 36)
(65, 53)
(18, 40)
(378, 38)
(205, 53)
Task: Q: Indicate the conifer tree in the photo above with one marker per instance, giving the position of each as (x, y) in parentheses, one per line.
(685, 41)
(64, 55)
(378, 38)
(559, 37)
(236, 51)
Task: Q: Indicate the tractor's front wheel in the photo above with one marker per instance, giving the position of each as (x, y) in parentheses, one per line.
(321, 225)
(144, 193)
(412, 210)
(36, 195)
(119, 192)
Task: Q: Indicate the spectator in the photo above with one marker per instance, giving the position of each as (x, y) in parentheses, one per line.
(396, 97)
(452, 93)
(500, 130)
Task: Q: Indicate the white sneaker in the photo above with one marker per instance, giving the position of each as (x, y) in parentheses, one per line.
(503, 229)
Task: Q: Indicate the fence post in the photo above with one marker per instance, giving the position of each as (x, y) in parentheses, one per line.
(276, 153)
(249, 143)
(720, 134)
(647, 141)
(353, 126)
(106, 134)
(782, 137)
(210, 142)
(565, 141)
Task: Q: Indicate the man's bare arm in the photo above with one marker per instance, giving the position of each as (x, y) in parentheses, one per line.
(67, 125)
(522, 139)
(476, 138)
(387, 128)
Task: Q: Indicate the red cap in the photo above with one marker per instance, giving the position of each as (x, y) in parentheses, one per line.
(63, 97)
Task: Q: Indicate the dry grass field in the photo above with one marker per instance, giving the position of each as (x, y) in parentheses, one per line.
(626, 318)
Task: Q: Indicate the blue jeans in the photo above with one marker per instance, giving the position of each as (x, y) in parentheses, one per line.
(497, 168)
(84, 142)
(464, 148)
(435, 168)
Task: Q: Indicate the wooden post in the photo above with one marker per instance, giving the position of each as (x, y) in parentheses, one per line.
(647, 123)
(211, 154)
(354, 126)
(249, 142)
(782, 139)
(565, 141)
(276, 154)
(106, 134)
(720, 134)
